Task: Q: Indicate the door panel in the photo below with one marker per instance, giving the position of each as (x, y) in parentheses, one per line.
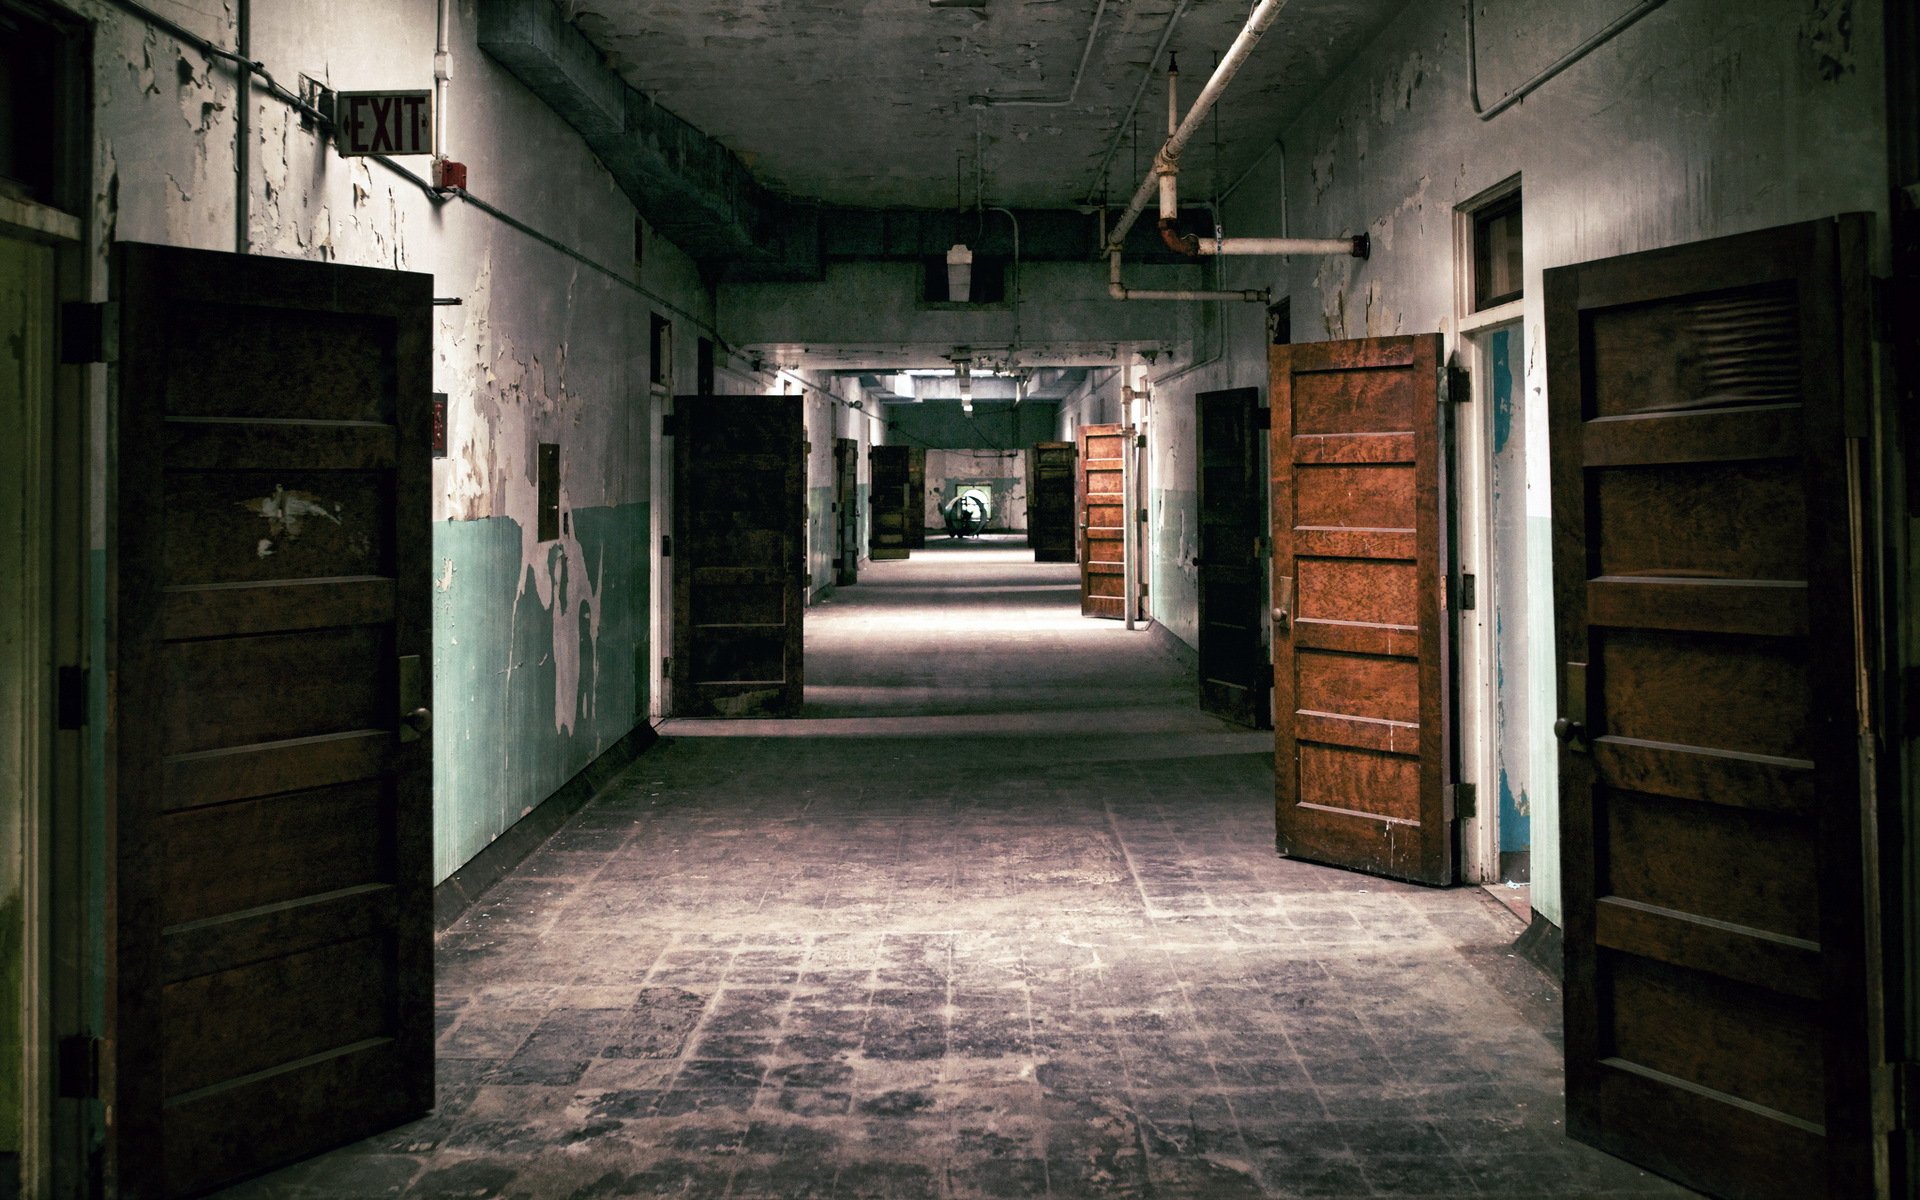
(1103, 520)
(1235, 675)
(846, 512)
(1717, 966)
(739, 562)
(895, 516)
(1360, 768)
(915, 517)
(1050, 518)
(274, 938)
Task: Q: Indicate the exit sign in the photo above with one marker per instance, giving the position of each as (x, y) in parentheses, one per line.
(384, 122)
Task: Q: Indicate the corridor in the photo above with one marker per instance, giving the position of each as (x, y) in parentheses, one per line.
(999, 915)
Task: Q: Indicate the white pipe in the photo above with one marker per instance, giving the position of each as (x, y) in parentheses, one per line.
(1120, 291)
(1086, 52)
(1275, 245)
(442, 72)
(1013, 352)
(1098, 186)
(1168, 157)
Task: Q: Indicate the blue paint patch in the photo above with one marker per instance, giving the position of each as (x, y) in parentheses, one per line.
(1516, 821)
(1505, 394)
(501, 745)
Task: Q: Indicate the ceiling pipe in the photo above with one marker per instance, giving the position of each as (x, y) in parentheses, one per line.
(1167, 160)
(1120, 291)
(1098, 187)
(1093, 31)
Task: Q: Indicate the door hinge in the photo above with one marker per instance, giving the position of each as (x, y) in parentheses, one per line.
(669, 424)
(89, 333)
(1456, 386)
(1898, 1096)
(1143, 516)
(1469, 594)
(666, 545)
(1463, 800)
(78, 1067)
(71, 704)
(666, 668)
(1140, 441)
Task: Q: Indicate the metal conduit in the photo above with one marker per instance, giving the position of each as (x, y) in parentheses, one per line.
(1560, 64)
(1086, 52)
(1167, 160)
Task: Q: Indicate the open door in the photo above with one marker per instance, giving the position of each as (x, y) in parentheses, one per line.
(739, 562)
(1050, 501)
(1103, 450)
(272, 946)
(915, 518)
(1359, 707)
(895, 516)
(846, 512)
(1706, 489)
(1235, 676)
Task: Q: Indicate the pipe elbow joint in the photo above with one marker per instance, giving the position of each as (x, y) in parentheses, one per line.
(1117, 290)
(1362, 247)
(1179, 243)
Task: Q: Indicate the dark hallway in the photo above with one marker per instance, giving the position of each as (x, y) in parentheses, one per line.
(999, 917)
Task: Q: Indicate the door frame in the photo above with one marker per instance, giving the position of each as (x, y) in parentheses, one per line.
(1476, 727)
(659, 400)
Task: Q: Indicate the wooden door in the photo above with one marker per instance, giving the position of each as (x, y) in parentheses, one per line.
(273, 956)
(894, 517)
(846, 511)
(1103, 520)
(915, 517)
(1236, 676)
(1360, 767)
(1050, 522)
(1718, 971)
(739, 561)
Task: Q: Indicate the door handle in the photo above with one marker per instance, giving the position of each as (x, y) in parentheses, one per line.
(1283, 610)
(415, 717)
(419, 720)
(1571, 728)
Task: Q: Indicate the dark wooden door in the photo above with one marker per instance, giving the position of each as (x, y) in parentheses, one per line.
(739, 557)
(894, 517)
(1359, 711)
(1103, 520)
(273, 949)
(1718, 976)
(915, 518)
(1050, 520)
(846, 511)
(1236, 675)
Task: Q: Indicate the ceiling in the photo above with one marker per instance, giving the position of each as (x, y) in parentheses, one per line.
(877, 103)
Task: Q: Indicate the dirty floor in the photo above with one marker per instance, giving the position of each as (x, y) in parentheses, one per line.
(1000, 916)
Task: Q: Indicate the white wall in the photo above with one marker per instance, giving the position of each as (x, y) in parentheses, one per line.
(1700, 120)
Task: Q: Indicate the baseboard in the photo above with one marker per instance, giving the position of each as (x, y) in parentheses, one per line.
(1543, 946)
(457, 892)
(1179, 651)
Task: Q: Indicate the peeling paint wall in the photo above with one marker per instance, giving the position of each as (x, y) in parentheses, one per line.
(1696, 122)
(830, 414)
(540, 648)
(1002, 472)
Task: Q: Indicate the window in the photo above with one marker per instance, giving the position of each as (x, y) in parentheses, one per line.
(41, 113)
(1497, 267)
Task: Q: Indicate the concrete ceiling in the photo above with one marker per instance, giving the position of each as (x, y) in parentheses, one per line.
(875, 103)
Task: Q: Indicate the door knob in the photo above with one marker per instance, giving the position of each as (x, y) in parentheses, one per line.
(419, 720)
(1573, 733)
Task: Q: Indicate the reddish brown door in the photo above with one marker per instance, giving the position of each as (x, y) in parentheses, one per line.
(1235, 676)
(1050, 521)
(895, 519)
(1358, 646)
(273, 946)
(1103, 520)
(739, 562)
(1718, 975)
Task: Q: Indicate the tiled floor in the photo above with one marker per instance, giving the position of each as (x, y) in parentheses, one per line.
(1000, 917)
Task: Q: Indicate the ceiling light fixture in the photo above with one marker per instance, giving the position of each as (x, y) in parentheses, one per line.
(959, 273)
